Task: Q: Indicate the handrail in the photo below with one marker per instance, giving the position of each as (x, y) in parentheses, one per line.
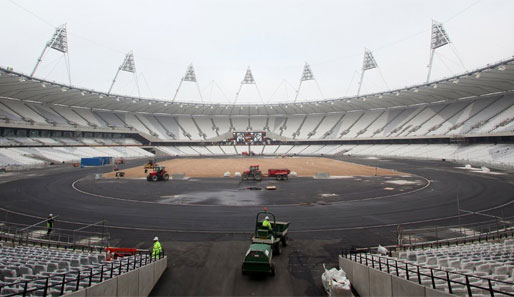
(60, 237)
(90, 225)
(417, 272)
(492, 235)
(33, 225)
(121, 268)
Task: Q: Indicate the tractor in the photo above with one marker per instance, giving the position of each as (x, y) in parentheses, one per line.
(158, 173)
(253, 173)
(265, 244)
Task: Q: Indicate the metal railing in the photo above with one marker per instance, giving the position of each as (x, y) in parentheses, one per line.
(458, 232)
(82, 279)
(58, 237)
(387, 264)
(488, 235)
(356, 254)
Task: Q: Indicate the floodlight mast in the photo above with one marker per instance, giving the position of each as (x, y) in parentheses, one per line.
(438, 38)
(189, 76)
(128, 65)
(367, 64)
(58, 42)
(248, 80)
(306, 75)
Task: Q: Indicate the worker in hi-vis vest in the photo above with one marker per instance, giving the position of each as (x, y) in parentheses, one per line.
(49, 224)
(266, 224)
(157, 248)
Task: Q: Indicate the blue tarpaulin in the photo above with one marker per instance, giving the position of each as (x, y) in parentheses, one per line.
(95, 161)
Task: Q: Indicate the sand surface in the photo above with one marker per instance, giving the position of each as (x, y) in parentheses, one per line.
(216, 167)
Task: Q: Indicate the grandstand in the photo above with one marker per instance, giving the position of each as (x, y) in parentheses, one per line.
(28, 270)
(473, 269)
(467, 118)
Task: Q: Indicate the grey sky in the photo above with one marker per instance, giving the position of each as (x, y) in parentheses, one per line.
(275, 38)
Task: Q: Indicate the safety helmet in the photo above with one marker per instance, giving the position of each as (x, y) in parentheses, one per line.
(155, 238)
(50, 215)
(266, 218)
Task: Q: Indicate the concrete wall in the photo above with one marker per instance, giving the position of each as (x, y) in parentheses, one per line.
(371, 282)
(138, 282)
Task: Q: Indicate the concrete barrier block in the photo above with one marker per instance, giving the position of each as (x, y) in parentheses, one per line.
(106, 288)
(159, 268)
(128, 283)
(429, 292)
(322, 175)
(379, 283)
(146, 280)
(178, 176)
(347, 266)
(79, 293)
(403, 287)
(360, 279)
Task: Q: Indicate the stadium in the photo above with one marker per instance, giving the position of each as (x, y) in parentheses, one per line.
(408, 190)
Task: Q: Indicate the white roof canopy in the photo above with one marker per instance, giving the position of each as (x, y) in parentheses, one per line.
(493, 79)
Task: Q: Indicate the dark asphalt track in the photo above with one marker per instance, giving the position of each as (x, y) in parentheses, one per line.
(205, 224)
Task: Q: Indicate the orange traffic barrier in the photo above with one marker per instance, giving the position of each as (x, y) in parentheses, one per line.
(114, 252)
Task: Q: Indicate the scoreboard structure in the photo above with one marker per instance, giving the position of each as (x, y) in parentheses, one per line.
(249, 137)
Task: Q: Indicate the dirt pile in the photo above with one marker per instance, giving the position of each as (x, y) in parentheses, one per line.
(216, 167)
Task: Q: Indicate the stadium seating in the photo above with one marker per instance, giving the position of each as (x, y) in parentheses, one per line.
(32, 268)
(36, 155)
(481, 263)
(468, 116)
(488, 115)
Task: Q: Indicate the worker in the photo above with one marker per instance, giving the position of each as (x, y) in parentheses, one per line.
(266, 224)
(49, 224)
(157, 248)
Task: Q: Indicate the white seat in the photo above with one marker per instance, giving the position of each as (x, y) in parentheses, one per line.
(455, 264)
(483, 268)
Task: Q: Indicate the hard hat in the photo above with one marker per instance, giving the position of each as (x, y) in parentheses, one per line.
(155, 238)
(266, 218)
(50, 215)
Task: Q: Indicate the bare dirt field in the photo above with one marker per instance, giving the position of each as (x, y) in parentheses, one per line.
(216, 167)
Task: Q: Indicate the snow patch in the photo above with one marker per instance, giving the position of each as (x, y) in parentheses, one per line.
(401, 182)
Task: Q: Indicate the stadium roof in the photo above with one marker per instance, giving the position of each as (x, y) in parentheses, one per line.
(491, 80)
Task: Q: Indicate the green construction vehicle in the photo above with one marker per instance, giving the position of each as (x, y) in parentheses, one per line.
(265, 243)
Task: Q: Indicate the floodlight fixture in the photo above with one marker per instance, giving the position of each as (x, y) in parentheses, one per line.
(128, 65)
(190, 76)
(248, 80)
(306, 75)
(438, 38)
(368, 63)
(58, 42)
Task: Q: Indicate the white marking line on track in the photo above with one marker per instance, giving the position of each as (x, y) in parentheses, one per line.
(291, 231)
(274, 205)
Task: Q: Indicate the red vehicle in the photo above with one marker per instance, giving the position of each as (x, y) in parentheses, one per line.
(158, 173)
(255, 173)
(279, 174)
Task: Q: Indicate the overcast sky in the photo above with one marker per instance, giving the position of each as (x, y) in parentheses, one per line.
(222, 38)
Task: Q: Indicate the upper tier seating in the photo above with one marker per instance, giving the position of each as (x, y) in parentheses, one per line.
(470, 116)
